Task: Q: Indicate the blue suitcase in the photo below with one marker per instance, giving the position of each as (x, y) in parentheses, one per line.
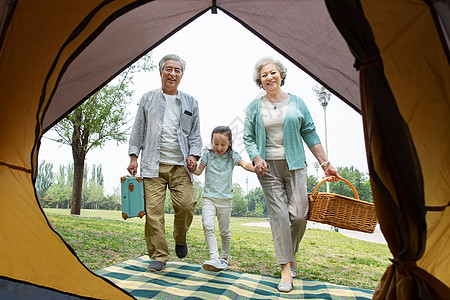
(132, 189)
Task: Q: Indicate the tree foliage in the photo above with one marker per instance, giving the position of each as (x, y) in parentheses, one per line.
(59, 193)
(168, 207)
(44, 179)
(92, 189)
(100, 119)
(114, 201)
(198, 188)
(311, 183)
(239, 203)
(256, 203)
(358, 179)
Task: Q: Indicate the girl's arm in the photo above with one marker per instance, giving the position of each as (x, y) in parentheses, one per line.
(199, 169)
(247, 166)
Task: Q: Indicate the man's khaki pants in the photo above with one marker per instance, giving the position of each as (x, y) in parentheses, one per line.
(178, 181)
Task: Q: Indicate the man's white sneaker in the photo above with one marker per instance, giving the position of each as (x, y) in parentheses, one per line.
(213, 265)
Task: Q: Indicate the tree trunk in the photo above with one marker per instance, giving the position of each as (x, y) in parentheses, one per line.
(77, 188)
(79, 139)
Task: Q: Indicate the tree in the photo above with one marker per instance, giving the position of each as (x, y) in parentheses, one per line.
(198, 193)
(239, 203)
(312, 182)
(93, 191)
(44, 178)
(100, 119)
(358, 179)
(99, 175)
(59, 193)
(259, 209)
(198, 190)
(257, 202)
(92, 195)
(114, 201)
(168, 207)
(95, 195)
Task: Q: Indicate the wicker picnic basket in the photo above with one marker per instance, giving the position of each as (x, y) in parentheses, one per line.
(341, 211)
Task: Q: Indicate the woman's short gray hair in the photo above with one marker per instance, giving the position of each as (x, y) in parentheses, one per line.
(171, 57)
(264, 61)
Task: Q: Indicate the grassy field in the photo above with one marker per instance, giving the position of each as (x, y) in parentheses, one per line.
(103, 238)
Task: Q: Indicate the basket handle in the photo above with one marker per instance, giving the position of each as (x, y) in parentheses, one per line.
(314, 193)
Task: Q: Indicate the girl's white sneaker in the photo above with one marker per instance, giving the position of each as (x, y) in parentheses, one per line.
(224, 263)
(214, 265)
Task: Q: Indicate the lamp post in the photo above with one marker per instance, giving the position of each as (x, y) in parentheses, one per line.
(316, 165)
(246, 195)
(246, 182)
(323, 95)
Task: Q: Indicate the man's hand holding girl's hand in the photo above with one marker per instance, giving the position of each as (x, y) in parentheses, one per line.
(191, 163)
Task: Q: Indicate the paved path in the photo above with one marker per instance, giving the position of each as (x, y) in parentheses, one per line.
(375, 237)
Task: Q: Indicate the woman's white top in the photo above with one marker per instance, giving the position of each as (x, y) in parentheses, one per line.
(273, 115)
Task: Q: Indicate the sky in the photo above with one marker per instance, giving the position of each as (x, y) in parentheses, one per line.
(220, 55)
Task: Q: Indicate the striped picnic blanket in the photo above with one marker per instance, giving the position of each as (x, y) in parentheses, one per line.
(181, 280)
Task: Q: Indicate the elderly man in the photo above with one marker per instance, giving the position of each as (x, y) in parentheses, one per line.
(167, 133)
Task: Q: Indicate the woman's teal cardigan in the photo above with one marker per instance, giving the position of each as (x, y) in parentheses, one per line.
(298, 124)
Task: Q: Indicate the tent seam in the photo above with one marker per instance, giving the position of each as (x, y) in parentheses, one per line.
(15, 167)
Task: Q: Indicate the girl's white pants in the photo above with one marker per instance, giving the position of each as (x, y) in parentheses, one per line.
(222, 209)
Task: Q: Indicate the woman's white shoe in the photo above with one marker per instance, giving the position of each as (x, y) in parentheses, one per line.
(286, 287)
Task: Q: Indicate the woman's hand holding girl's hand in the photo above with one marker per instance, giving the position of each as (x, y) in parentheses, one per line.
(260, 165)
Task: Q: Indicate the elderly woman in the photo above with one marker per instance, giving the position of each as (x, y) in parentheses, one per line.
(275, 125)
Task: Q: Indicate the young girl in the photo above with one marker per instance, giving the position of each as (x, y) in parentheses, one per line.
(218, 194)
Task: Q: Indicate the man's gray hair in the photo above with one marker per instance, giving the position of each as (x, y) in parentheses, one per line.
(264, 61)
(172, 57)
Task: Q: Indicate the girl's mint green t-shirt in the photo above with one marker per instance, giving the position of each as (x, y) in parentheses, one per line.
(219, 173)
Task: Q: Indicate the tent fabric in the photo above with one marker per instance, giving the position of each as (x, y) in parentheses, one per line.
(55, 54)
(98, 63)
(442, 10)
(421, 91)
(397, 181)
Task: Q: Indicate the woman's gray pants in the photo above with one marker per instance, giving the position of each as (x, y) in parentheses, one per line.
(287, 203)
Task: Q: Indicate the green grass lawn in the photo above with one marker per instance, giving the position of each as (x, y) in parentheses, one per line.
(102, 238)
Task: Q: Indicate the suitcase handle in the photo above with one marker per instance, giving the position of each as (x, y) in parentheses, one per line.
(131, 187)
(123, 178)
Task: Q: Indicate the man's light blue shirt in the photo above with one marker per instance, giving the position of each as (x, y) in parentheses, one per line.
(298, 125)
(219, 174)
(146, 134)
